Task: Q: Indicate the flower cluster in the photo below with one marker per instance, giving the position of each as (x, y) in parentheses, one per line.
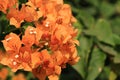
(46, 47)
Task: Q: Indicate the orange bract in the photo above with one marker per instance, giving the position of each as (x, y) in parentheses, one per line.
(53, 77)
(3, 73)
(3, 5)
(65, 14)
(46, 47)
(12, 43)
(32, 36)
(35, 59)
(16, 17)
(6, 4)
(20, 76)
(39, 73)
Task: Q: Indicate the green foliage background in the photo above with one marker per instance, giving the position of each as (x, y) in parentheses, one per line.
(99, 35)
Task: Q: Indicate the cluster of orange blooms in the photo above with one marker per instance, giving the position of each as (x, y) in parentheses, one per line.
(46, 47)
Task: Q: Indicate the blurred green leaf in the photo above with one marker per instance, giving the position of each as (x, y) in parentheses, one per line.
(85, 43)
(91, 10)
(102, 31)
(29, 76)
(107, 49)
(117, 58)
(3, 23)
(22, 1)
(104, 75)
(116, 68)
(118, 6)
(69, 73)
(79, 27)
(83, 51)
(26, 24)
(96, 64)
(116, 39)
(116, 25)
(86, 18)
(112, 76)
(94, 2)
(107, 9)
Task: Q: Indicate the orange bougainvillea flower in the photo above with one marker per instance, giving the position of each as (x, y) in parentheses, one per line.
(3, 5)
(44, 48)
(58, 57)
(47, 66)
(53, 77)
(1, 55)
(32, 36)
(29, 12)
(17, 61)
(12, 43)
(12, 3)
(20, 76)
(35, 59)
(39, 73)
(65, 14)
(29, 38)
(37, 3)
(3, 73)
(14, 22)
(15, 16)
(33, 11)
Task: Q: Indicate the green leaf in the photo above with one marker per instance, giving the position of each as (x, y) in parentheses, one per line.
(29, 76)
(86, 18)
(83, 51)
(107, 9)
(116, 39)
(116, 25)
(118, 6)
(94, 2)
(115, 68)
(102, 31)
(85, 43)
(79, 27)
(91, 10)
(80, 67)
(22, 1)
(117, 58)
(3, 25)
(104, 75)
(107, 49)
(112, 76)
(96, 64)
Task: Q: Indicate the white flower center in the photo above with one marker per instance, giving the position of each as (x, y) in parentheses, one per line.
(47, 24)
(16, 56)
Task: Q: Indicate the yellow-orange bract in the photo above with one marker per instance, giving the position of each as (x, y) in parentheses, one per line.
(46, 47)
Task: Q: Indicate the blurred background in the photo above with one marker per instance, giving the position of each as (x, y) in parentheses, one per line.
(98, 23)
